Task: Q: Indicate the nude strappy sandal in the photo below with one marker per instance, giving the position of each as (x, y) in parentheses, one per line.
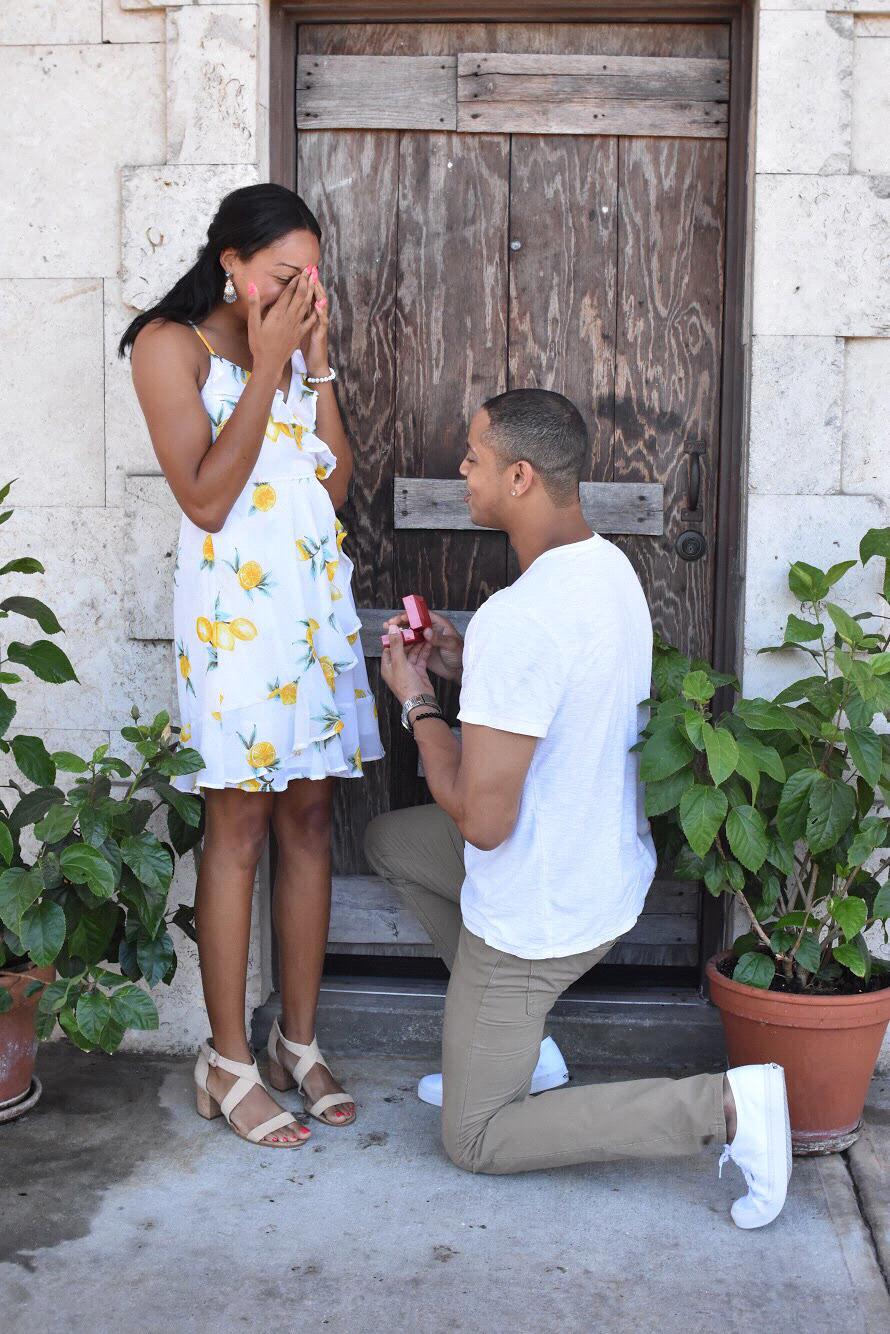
(283, 1079)
(248, 1076)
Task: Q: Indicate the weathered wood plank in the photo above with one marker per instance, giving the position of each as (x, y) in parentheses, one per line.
(366, 911)
(438, 503)
(452, 354)
(376, 92)
(508, 77)
(684, 39)
(670, 304)
(596, 115)
(358, 268)
(563, 234)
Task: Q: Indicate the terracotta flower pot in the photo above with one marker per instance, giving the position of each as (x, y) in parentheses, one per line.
(18, 1037)
(828, 1046)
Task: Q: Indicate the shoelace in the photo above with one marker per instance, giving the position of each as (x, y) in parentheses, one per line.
(725, 1157)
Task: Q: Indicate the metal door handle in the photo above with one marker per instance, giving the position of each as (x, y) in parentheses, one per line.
(693, 512)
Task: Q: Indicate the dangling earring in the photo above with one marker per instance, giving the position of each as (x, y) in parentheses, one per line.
(229, 293)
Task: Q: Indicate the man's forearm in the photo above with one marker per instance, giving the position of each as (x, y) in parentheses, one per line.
(441, 754)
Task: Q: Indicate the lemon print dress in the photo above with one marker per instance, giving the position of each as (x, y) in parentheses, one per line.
(271, 677)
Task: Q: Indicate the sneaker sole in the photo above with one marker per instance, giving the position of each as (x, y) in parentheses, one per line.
(542, 1085)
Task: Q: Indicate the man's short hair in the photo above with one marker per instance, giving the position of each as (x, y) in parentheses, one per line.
(544, 429)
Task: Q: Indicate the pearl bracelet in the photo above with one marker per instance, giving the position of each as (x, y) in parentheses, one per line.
(321, 379)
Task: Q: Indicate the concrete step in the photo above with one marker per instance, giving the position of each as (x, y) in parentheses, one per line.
(633, 1031)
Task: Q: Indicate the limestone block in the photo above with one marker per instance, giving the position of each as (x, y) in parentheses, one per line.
(153, 522)
(120, 24)
(822, 255)
(866, 431)
(166, 212)
(871, 95)
(83, 554)
(41, 21)
(804, 81)
(797, 387)
(59, 191)
(836, 6)
(212, 84)
(51, 427)
(128, 447)
(781, 529)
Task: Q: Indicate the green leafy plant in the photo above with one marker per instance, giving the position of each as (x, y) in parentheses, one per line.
(85, 882)
(780, 803)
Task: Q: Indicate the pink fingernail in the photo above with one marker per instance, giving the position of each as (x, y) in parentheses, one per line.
(322, 301)
(251, 289)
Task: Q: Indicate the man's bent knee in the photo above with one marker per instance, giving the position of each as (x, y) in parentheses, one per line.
(382, 843)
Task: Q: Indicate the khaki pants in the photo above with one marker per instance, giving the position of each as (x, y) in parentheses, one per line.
(495, 1011)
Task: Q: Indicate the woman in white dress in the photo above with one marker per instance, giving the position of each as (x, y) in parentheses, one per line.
(232, 373)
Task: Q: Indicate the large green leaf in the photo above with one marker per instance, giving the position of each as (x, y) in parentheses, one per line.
(84, 865)
(43, 931)
(850, 631)
(56, 824)
(7, 847)
(881, 906)
(832, 807)
(755, 970)
(91, 937)
(698, 686)
(68, 762)
(19, 888)
(155, 958)
(149, 860)
(809, 952)
(702, 811)
(133, 1008)
(721, 750)
(798, 631)
(767, 758)
(148, 904)
(850, 913)
(850, 955)
(8, 708)
(34, 760)
(864, 746)
(663, 796)
(23, 565)
(184, 761)
(33, 806)
(763, 716)
(871, 835)
(35, 610)
(188, 807)
(663, 754)
(93, 1012)
(45, 660)
(807, 582)
(747, 836)
(794, 803)
(876, 542)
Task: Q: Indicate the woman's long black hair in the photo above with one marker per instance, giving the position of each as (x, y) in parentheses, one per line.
(246, 221)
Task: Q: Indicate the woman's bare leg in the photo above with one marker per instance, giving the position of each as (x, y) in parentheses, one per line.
(236, 824)
(301, 910)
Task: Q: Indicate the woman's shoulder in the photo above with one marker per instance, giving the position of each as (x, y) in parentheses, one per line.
(169, 346)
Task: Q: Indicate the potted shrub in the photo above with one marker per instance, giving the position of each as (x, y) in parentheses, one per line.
(83, 881)
(778, 804)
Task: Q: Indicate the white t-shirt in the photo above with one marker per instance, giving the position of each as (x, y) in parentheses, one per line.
(564, 654)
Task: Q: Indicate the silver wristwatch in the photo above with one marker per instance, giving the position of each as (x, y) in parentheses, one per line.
(414, 703)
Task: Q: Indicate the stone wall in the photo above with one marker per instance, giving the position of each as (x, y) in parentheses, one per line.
(132, 117)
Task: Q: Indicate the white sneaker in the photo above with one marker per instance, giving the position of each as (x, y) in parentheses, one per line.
(550, 1072)
(762, 1143)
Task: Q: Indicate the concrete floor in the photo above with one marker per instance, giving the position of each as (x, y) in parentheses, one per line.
(124, 1211)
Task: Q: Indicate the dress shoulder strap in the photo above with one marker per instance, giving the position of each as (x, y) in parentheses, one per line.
(204, 340)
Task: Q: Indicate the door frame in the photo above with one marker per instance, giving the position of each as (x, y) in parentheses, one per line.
(728, 557)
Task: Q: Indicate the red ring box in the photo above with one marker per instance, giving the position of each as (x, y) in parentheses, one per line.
(418, 620)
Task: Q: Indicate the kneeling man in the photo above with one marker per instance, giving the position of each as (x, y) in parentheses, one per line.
(537, 856)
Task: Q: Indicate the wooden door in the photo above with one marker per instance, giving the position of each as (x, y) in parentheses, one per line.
(502, 210)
